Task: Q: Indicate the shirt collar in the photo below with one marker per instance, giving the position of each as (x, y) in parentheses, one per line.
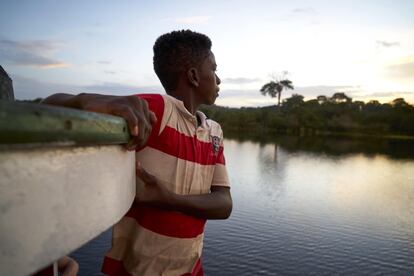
(181, 107)
(203, 119)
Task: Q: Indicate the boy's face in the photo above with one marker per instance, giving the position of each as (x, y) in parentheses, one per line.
(209, 81)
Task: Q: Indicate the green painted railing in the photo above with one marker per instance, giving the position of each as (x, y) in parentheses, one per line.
(30, 123)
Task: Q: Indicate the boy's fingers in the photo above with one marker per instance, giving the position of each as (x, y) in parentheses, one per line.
(153, 117)
(129, 115)
(144, 175)
(131, 145)
(144, 130)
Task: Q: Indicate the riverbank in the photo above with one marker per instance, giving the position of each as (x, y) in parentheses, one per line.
(348, 119)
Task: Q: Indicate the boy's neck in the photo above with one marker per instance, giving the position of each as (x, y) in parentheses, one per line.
(187, 98)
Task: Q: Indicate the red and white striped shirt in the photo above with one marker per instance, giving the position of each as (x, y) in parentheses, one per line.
(188, 159)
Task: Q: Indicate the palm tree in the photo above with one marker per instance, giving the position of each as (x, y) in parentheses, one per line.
(276, 86)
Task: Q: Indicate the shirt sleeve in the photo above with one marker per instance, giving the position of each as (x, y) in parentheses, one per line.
(156, 105)
(220, 176)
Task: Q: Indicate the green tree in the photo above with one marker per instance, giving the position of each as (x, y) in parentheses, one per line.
(340, 97)
(399, 103)
(294, 101)
(322, 99)
(275, 87)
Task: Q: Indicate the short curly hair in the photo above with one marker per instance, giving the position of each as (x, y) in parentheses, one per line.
(177, 51)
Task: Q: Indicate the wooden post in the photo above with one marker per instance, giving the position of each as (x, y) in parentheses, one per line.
(6, 86)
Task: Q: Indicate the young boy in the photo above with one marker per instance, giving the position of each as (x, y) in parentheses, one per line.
(185, 180)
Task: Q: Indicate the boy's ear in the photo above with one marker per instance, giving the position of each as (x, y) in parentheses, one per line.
(193, 77)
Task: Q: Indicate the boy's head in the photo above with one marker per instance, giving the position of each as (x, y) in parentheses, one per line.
(176, 52)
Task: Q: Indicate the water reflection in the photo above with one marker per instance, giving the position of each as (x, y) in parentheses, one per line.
(376, 185)
(334, 145)
(305, 206)
(272, 171)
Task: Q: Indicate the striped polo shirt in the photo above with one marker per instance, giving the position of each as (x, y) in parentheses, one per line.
(187, 158)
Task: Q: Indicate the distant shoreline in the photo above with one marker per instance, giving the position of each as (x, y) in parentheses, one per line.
(230, 132)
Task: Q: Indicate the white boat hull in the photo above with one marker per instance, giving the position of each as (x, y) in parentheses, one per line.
(54, 200)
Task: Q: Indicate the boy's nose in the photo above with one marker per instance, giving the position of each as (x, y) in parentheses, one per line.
(218, 80)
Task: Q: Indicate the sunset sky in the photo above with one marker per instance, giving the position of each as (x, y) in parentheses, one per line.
(362, 48)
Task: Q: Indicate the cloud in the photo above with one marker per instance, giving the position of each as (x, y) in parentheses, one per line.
(307, 10)
(104, 62)
(305, 14)
(401, 71)
(387, 44)
(110, 72)
(121, 89)
(389, 94)
(245, 97)
(355, 92)
(240, 80)
(28, 88)
(327, 90)
(191, 19)
(230, 93)
(30, 53)
(386, 97)
(253, 97)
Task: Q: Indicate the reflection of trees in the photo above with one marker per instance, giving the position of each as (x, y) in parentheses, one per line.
(275, 153)
(344, 146)
(272, 171)
(331, 145)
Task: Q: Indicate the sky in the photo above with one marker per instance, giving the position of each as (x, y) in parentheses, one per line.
(363, 48)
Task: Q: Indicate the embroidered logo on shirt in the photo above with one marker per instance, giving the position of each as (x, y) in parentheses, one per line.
(215, 142)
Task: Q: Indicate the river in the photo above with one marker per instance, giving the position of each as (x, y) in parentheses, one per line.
(308, 206)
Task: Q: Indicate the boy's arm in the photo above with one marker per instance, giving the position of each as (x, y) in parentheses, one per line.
(215, 205)
(133, 109)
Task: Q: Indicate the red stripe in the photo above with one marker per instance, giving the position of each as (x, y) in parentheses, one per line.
(156, 105)
(177, 144)
(114, 267)
(197, 270)
(172, 142)
(167, 223)
(220, 157)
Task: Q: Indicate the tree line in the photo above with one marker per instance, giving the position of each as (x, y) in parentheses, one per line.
(323, 115)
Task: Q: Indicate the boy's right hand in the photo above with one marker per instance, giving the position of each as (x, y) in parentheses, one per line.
(132, 108)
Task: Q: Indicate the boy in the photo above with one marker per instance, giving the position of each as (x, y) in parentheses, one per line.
(185, 181)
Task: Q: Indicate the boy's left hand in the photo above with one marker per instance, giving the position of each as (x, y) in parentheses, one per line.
(153, 192)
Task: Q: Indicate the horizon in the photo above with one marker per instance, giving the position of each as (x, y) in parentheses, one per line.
(364, 49)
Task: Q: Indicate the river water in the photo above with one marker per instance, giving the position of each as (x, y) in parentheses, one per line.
(308, 207)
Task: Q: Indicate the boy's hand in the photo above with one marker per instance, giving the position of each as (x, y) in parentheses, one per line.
(133, 109)
(214, 205)
(153, 193)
